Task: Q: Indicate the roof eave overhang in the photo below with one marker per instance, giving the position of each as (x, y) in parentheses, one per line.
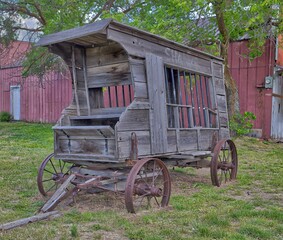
(75, 33)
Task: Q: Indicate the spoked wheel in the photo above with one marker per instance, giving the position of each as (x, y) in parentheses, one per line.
(51, 174)
(224, 163)
(148, 185)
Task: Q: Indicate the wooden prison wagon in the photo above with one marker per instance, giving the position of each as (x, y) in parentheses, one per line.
(140, 102)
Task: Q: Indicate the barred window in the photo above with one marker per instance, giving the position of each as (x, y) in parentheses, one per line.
(189, 99)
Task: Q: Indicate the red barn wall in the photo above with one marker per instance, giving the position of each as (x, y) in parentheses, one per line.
(40, 102)
(250, 76)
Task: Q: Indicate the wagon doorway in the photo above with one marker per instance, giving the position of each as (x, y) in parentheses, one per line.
(277, 107)
(15, 102)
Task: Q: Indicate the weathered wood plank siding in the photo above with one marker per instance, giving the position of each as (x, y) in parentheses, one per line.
(136, 46)
(139, 79)
(134, 119)
(157, 101)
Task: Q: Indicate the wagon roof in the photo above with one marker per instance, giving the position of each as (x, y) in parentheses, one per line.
(97, 33)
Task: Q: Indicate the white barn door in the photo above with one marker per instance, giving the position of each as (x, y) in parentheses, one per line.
(15, 102)
(277, 108)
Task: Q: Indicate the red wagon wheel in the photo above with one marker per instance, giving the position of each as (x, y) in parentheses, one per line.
(148, 185)
(51, 174)
(224, 163)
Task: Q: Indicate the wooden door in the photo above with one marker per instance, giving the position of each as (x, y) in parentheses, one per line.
(157, 100)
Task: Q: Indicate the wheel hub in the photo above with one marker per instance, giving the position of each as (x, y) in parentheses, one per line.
(225, 166)
(58, 177)
(142, 189)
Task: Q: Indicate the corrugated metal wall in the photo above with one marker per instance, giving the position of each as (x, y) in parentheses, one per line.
(40, 101)
(250, 76)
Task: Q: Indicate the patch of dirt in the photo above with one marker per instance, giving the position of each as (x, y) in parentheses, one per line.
(186, 183)
(256, 192)
(182, 184)
(99, 201)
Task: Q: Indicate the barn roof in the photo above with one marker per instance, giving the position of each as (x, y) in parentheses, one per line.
(13, 54)
(100, 32)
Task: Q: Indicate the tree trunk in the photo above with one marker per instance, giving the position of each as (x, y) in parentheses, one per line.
(230, 84)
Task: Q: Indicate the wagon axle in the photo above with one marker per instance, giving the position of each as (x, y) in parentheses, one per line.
(142, 189)
(225, 166)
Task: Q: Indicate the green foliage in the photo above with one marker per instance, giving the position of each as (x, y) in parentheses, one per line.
(40, 61)
(190, 22)
(241, 124)
(49, 17)
(74, 231)
(5, 117)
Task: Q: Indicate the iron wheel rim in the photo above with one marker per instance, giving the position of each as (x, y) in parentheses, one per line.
(150, 177)
(224, 162)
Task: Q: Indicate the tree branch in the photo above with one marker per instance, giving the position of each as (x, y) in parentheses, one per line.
(33, 62)
(28, 29)
(37, 6)
(132, 6)
(20, 9)
(108, 4)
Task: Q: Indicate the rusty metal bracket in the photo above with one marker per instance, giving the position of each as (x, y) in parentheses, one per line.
(214, 141)
(134, 147)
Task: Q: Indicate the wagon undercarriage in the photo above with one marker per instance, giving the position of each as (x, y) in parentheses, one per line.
(145, 183)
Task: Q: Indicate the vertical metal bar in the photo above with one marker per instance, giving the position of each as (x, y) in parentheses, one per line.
(187, 99)
(117, 99)
(85, 80)
(167, 86)
(169, 108)
(75, 80)
(176, 119)
(109, 96)
(202, 100)
(180, 100)
(199, 116)
(123, 93)
(192, 99)
(175, 114)
(174, 87)
(130, 93)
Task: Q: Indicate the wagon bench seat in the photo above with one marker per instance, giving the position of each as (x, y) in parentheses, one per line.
(94, 131)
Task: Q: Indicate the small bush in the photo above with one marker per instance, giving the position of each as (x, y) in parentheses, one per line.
(5, 117)
(241, 124)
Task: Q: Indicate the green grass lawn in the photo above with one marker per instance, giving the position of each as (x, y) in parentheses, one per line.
(250, 208)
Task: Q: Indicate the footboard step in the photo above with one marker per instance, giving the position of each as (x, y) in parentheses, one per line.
(25, 221)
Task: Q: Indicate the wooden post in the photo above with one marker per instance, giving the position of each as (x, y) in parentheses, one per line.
(214, 95)
(24, 221)
(85, 80)
(75, 80)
